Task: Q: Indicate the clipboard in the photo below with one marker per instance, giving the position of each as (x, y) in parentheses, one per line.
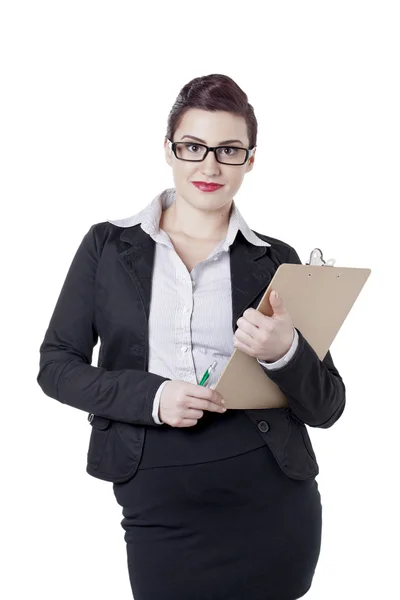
(318, 297)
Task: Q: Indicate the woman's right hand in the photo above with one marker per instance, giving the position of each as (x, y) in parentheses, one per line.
(182, 403)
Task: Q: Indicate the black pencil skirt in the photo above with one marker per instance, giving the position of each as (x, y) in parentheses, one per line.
(231, 529)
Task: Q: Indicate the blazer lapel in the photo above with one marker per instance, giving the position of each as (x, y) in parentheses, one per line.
(251, 269)
(251, 272)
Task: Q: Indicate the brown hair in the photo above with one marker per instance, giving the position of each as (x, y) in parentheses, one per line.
(213, 92)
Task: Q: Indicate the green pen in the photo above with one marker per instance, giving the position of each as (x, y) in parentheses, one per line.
(207, 374)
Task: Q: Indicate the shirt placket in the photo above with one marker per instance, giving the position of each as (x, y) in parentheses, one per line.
(183, 331)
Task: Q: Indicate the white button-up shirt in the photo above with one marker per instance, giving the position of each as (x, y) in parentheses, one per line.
(190, 321)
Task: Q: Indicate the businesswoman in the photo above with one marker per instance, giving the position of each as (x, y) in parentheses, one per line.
(217, 504)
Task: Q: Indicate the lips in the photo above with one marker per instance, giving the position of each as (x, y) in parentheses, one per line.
(207, 187)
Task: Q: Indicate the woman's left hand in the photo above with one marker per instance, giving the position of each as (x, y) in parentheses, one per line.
(263, 337)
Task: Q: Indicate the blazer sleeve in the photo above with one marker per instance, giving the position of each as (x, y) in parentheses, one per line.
(314, 389)
(65, 370)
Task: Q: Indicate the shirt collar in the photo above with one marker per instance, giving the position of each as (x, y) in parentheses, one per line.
(149, 219)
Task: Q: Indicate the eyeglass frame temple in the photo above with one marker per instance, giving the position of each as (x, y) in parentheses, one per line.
(249, 152)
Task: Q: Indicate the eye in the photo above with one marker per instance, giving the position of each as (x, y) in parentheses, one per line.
(188, 146)
(230, 150)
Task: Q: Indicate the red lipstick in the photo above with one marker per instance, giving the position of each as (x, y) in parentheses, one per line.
(206, 187)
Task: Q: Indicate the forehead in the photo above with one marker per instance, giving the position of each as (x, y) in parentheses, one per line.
(212, 126)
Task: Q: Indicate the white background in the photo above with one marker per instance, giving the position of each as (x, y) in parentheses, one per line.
(86, 90)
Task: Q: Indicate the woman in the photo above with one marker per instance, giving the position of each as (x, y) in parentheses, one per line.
(217, 504)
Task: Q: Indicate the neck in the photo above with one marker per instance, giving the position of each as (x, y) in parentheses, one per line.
(191, 222)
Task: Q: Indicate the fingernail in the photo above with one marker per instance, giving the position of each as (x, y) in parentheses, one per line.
(222, 401)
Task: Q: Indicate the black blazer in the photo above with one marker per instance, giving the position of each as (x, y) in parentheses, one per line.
(106, 295)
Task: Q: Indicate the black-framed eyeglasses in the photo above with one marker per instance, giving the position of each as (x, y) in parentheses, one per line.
(226, 155)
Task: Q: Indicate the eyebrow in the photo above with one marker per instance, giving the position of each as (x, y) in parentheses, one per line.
(204, 142)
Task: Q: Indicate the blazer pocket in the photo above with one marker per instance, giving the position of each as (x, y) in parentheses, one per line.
(301, 462)
(307, 442)
(115, 449)
(98, 439)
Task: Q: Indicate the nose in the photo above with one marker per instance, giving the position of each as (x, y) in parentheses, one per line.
(210, 165)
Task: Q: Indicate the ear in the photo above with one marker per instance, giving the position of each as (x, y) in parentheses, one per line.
(168, 153)
(251, 162)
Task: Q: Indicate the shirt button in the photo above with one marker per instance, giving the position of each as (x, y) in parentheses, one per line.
(184, 348)
(185, 309)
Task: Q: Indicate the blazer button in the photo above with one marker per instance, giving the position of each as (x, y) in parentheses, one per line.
(263, 426)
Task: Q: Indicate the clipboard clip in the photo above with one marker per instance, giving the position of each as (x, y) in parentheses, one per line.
(316, 259)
